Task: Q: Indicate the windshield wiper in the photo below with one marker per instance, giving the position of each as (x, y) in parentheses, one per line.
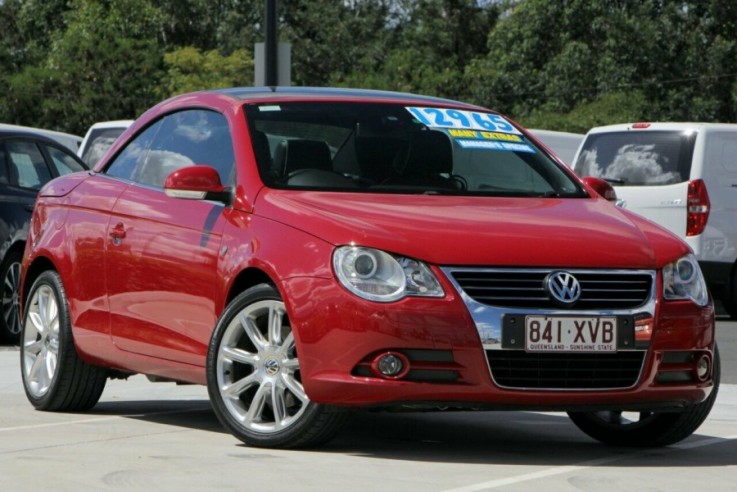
(614, 181)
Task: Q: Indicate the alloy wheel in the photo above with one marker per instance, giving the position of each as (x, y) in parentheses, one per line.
(41, 341)
(258, 369)
(11, 299)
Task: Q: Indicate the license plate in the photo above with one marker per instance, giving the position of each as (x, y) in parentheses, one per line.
(570, 334)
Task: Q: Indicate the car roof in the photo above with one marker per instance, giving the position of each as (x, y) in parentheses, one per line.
(111, 124)
(68, 140)
(663, 125)
(271, 93)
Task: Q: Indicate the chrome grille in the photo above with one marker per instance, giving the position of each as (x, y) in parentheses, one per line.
(512, 288)
(519, 369)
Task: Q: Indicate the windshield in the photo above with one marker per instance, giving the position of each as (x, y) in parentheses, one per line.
(638, 158)
(391, 148)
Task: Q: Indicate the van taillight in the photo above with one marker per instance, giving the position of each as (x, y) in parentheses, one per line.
(698, 208)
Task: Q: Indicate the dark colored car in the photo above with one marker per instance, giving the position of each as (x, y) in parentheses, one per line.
(304, 252)
(28, 160)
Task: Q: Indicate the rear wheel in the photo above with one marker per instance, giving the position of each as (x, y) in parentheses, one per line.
(10, 324)
(54, 377)
(647, 429)
(254, 379)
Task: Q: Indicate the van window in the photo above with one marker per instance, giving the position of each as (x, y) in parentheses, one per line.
(632, 158)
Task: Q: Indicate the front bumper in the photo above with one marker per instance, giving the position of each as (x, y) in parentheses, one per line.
(338, 335)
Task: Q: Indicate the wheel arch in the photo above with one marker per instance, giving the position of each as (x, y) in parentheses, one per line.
(17, 246)
(39, 265)
(247, 278)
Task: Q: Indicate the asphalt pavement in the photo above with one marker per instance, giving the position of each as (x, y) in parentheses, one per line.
(163, 437)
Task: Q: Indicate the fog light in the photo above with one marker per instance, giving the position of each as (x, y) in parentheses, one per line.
(390, 365)
(703, 368)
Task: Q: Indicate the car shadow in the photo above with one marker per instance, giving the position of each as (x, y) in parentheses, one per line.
(513, 438)
(510, 438)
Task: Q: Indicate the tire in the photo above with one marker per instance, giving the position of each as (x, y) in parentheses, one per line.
(10, 324)
(54, 377)
(254, 381)
(730, 299)
(648, 429)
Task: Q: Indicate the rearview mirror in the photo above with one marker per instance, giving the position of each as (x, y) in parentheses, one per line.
(198, 182)
(602, 187)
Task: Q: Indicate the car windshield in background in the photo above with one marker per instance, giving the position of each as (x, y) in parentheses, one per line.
(99, 141)
(632, 158)
(391, 148)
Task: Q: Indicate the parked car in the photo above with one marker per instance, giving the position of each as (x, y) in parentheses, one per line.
(68, 140)
(99, 138)
(563, 144)
(682, 176)
(28, 159)
(304, 252)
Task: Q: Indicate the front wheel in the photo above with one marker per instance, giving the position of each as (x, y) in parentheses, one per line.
(647, 429)
(254, 379)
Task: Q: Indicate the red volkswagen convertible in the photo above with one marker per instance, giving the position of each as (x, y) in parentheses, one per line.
(304, 252)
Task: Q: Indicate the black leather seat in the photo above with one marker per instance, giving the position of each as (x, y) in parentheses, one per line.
(295, 155)
(427, 161)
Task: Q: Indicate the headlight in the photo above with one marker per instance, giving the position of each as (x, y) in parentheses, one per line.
(378, 276)
(682, 279)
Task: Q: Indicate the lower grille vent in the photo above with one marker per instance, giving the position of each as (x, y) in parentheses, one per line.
(519, 369)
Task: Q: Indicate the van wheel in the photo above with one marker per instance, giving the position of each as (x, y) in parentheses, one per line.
(254, 379)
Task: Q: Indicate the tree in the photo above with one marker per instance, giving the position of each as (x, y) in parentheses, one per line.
(431, 43)
(675, 58)
(105, 65)
(329, 37)
(188, 69)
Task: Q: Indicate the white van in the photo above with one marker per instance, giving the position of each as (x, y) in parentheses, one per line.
(682, 176)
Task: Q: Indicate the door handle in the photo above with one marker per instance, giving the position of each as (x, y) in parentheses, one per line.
(118, 232)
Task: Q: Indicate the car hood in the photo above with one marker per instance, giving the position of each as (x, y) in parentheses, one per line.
(462, 230)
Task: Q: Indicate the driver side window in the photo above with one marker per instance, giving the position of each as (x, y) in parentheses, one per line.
(180, 139)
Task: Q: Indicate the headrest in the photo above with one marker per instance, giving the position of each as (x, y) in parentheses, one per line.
(430, 153)
(293, 155)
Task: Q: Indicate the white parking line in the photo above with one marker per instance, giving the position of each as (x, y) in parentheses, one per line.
(562, 470)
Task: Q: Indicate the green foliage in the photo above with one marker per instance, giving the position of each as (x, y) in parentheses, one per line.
(565, 65)
(604, 110)
(188, 69)
(429, 47)
(561, 62)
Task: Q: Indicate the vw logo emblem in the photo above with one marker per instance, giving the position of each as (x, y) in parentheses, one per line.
(563, 288)
(272, 367)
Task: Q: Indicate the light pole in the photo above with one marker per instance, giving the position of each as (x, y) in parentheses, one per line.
(271, 47)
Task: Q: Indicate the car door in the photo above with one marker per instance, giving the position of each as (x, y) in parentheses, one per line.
(23, 173)
(26, 164)
(162, 254)
(720, 176)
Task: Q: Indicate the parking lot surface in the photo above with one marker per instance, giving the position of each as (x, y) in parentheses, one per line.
(159, 436)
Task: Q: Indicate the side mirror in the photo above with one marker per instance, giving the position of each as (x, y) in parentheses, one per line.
(602, 187)
(197, 182)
